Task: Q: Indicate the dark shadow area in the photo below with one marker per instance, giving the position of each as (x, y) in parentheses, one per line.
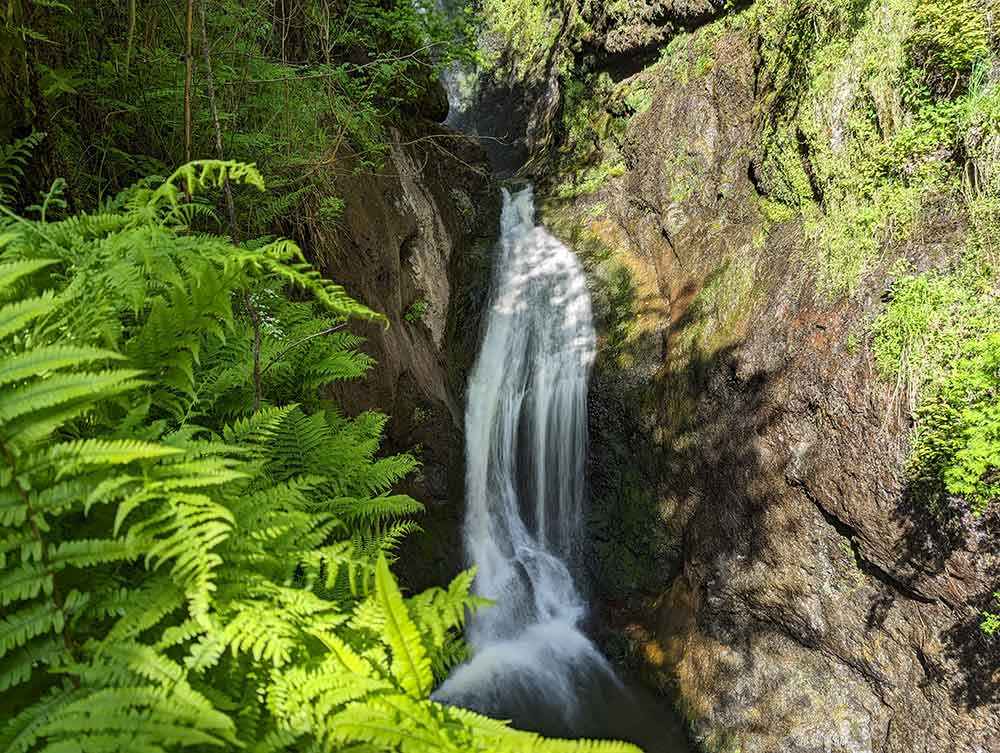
(608, 710)
(685, 428)
(952, 558)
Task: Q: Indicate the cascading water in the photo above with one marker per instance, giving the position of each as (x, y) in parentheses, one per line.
(526, 438)
(526, 431)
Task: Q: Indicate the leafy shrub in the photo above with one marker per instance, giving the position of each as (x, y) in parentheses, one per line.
(331, 209)
(991, 622)
(928, 322)
(296, 89)
(939, 338)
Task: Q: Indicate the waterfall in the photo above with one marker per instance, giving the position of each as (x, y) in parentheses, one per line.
(526, 437)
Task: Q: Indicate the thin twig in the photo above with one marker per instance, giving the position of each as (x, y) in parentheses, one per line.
(210, 81)
(188, 75)
(297, 343)
(258, 385)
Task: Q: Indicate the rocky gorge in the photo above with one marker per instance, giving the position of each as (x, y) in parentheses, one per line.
(757, 550)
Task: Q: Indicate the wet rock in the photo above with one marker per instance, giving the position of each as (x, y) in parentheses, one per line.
(631, 27)
(414, 242)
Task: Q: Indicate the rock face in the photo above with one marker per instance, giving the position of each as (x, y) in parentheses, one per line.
(414, 243)
(755, 547)
(629, 28)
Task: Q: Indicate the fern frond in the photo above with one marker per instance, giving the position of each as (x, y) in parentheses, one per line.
(90, 552)
(368, 512)
(392, 722)
(24, 582)
(410, 665)
(285, 259)
(39, 361)
(19, 627)
(12, 271)
(70, 458)
(60, 389)
(13, 161)
(15, 316)
(20, 732)
(139, 609)
(18, 668)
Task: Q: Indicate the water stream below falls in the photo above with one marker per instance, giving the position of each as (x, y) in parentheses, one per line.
(526, 443)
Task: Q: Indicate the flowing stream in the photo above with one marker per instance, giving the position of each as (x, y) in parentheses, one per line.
(526, 443)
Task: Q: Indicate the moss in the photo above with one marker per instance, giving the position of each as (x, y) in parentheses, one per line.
(681, 172)
(937, 338)
(626, 529)
(931, 316)
(720, 309)
(589, 180)
(638, 99)
(527, 30)
(860, 137)
(416, 311)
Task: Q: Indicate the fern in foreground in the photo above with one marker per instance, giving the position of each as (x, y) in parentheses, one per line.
(195, 546)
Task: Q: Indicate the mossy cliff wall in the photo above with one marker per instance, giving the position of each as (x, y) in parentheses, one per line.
(748, 187)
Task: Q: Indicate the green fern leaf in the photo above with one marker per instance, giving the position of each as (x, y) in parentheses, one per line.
(18, 668)
(65, 388)
(20, 627)
(24, 582)
(410, 666)
(12, 271)
(15, 316)
(38, 361)
(89, 552)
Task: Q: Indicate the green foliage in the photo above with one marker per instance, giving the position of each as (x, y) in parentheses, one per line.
(956, 446)
(928, 321)
(301, 91)
(871, 109)
(416, 311)
(184, 565)
(949, 38)
(527, 30)
(589, 180)
(331, 209)
(13, 160)
(991, 622)
(938, 339)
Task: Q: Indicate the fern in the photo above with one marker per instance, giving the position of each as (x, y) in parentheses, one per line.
(13, 161)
